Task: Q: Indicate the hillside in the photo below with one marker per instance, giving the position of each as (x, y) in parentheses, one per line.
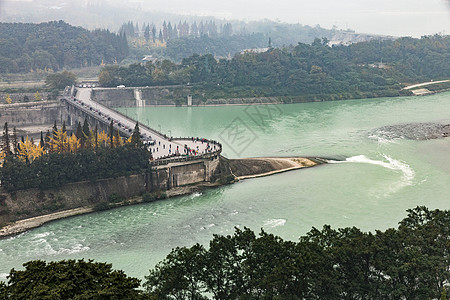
(26, 47)
(307, 72)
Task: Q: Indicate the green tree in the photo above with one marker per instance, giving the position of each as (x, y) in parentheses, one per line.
(70, 279)
(41, 141)
(59, 81)
(111, 134)
(6, 147)
(177, 277)
(136, 137)
(86, 134)
(147, 33)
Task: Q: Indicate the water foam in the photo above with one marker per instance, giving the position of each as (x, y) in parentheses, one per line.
(77, 248)
(42, 235)
(274, 223)
(392, 164)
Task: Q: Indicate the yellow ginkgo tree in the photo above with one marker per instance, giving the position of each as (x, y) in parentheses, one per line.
(59, 142)
(27, 151)
(73, 143)
(102, 139)
(8, 99)
(2, 158)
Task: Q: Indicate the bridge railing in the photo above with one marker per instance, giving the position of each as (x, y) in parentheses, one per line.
(182, 158)
(178, 158)
(161, 135)
(96, 116)
(163, 160)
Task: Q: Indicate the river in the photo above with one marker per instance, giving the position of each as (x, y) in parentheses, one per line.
(373, 177)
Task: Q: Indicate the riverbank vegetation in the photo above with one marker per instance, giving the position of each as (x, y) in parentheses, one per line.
(56, 45)
(410, 262)
(59, 159)
(316, 71)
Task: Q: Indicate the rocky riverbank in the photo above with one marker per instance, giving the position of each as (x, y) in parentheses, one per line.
(232, 170)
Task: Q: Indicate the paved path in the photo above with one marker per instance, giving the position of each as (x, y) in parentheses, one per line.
(162, 147)
(424, 84)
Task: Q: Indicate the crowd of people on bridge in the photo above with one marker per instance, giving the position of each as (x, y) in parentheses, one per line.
(211, 146)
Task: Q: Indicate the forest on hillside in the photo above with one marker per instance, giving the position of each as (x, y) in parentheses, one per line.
(52, 46)
(367, 69)
(176, 41)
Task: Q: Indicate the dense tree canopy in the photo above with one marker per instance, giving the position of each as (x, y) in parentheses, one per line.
(55, 169)
(410, 262)
(56, 45)
(69, 280)
(218, 37)
(366, 69)
(177, 49)
(60, 80)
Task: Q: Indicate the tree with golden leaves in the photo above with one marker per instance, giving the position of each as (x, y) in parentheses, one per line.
(8, 99)
(2, 158)
(59, 142)
(117, 140)
(37, 96)
(74, 143)
(29, 151)
(102, 139)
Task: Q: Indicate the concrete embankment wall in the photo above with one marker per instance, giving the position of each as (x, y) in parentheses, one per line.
(178, 95)
(168, 96)
(34, 202)
(125, 97)
(31, 113)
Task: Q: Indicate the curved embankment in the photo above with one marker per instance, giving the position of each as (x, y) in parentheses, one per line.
(240, 169)
(265, 166)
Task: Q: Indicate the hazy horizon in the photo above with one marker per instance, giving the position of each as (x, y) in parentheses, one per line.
(400, 17)
(397, 18)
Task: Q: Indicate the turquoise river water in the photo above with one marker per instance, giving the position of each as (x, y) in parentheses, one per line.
(378, 176)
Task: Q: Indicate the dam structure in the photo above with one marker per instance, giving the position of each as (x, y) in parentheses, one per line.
(175, 161)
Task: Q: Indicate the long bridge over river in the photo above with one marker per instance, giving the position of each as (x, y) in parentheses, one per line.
(176, 161)
(80, 106)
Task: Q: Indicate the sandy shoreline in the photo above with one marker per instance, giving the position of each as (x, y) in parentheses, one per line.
(276, 165)
(26, 224)
(281, 164)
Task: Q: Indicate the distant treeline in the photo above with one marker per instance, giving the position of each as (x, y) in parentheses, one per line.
(26, 47)
(169, 31)
(177, 41)
(366, 69)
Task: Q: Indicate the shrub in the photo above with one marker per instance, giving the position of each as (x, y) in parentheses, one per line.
(115, 198)
(148, 197)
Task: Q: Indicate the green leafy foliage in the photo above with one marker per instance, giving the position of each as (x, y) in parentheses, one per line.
(302, 73)
(69, 280)
(410, 262)
(56, 45)
(59, 81)
(182, 47)
(56, 169)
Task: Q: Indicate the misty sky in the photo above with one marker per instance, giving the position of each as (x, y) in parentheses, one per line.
(393, 17)
(390, 17)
